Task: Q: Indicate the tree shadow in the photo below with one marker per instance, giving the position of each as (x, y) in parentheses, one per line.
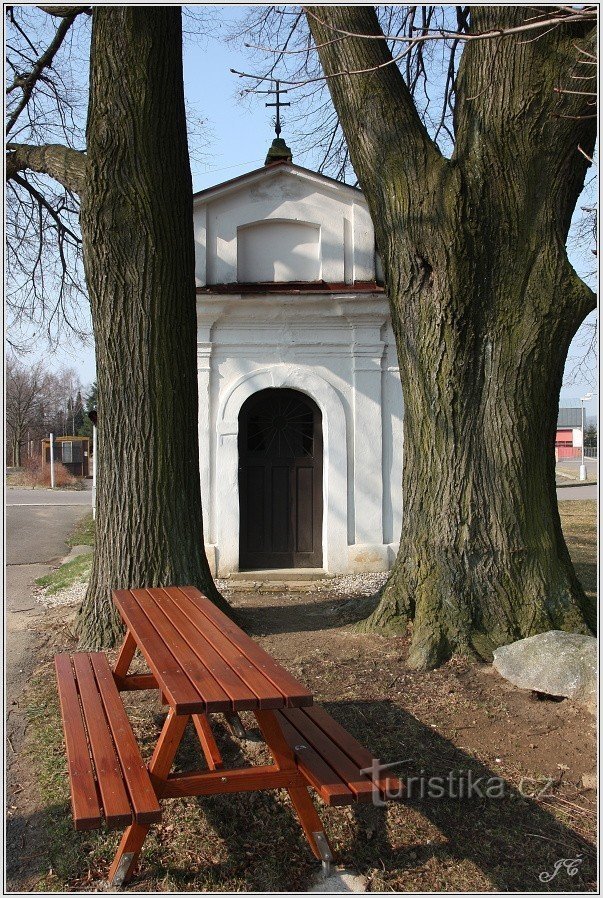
(254, 842)
(294, 618)
(511, 837)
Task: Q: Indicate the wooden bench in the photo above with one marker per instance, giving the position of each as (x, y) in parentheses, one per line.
(332, 761)
(107, 775)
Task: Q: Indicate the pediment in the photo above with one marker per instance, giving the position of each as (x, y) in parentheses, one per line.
(292, 180)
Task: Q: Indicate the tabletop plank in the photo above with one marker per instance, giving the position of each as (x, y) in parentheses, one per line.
(201, 660)
(240, 696)
(206, 682)
(294, 693)
(266, 693)
(177, 688)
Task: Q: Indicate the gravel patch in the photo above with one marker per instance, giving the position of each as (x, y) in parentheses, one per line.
(73, 595)
(352, 585)
(357, 584)
(348, 585)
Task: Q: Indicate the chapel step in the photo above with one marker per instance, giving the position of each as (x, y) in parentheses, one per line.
(282, 575)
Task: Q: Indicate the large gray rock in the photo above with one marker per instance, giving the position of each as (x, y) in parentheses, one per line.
(556, 663)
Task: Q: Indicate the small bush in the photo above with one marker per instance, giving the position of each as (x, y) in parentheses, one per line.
(62, 477)
(35, 475)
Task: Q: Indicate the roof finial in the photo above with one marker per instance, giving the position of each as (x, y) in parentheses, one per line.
(278, 104)
(279, 151)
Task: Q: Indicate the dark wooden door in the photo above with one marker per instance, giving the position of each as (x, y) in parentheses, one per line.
(280, 481)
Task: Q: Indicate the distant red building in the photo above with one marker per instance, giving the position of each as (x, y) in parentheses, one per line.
(568, 439)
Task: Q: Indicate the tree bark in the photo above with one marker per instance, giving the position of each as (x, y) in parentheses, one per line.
(484, 306)
(136, 219)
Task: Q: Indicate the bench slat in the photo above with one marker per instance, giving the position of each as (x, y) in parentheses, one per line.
(84, 800)
(357, 752)
(296, 694)
(209, 635)
(360, 784)
(319, 774)
(142, 795)
(114, 797)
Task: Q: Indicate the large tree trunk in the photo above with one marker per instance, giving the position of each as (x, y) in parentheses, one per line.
(484, 306)
(136, 219)
(482, 559)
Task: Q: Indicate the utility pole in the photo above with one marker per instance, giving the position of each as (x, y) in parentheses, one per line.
(583, 399)
(93, 417)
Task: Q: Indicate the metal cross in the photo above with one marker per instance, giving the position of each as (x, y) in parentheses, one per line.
(278, 104)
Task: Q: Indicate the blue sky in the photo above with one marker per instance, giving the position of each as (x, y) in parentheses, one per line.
(234, 138)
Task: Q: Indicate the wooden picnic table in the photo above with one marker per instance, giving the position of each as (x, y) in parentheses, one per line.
(202, 663)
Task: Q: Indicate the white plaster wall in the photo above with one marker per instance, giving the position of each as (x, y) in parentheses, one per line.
(278, 250)
(339, 350)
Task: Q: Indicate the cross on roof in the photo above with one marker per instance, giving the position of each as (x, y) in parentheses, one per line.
(278, 104)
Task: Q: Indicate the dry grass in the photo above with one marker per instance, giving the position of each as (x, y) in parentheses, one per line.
(579, 522)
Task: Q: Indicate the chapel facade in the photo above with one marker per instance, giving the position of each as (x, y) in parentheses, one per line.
(299, 388)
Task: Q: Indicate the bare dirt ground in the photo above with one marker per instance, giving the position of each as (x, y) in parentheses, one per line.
(459, 719)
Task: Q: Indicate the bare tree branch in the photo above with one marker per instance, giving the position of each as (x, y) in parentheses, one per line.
(65, 165)
(41, 199)
(28, 82)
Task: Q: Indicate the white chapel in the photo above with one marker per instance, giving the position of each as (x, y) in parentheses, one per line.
(299, 389)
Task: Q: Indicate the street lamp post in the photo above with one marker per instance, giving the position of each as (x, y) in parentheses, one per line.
(583, 399)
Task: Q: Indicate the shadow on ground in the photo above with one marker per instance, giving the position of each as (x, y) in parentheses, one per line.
(253, 841)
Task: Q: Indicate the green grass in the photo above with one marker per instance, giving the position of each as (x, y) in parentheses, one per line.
(83, 532)
(74, 571)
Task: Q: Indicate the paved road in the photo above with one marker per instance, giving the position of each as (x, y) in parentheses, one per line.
(48, 497)
(587, 491)
(35, 541)
(37, 525)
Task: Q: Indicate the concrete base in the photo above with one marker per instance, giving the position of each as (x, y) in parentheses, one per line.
(340, 881)
(210, 551)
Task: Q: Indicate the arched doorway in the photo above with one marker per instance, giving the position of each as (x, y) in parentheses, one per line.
(280, 481)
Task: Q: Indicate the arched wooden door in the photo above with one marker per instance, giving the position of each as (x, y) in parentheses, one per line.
(280, 481)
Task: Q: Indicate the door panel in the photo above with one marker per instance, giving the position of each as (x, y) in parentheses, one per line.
(280, 481)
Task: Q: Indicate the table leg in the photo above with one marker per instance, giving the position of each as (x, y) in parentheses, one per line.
(160, 765)
(126, 653)
(299, 795)
(208, 742)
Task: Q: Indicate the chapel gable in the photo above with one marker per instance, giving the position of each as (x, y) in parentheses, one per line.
(283, 224)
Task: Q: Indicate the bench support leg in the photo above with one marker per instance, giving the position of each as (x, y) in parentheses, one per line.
(300, 797)
(125, 859)
(312, 826)
(132, 840)
(124, 659)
